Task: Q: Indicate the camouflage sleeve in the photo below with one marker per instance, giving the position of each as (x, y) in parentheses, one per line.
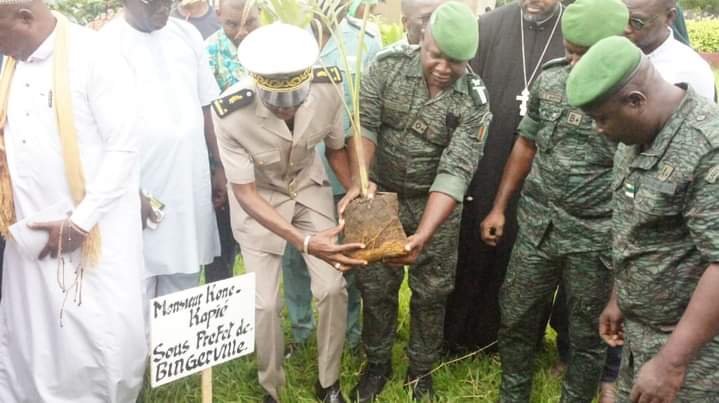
(701, 208)
(459, 160)
(370, 102)
(530, 123)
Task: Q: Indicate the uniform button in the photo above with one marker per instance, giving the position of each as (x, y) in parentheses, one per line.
(292, 164)
(294, 194)
(469, 198)
(701, 117)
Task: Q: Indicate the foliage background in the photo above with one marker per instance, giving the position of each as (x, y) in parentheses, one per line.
(85, 11)
(704, 34)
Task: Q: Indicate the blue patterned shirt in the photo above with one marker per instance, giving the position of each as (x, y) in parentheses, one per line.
(223, 60)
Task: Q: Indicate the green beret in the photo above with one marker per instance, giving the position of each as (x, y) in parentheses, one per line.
(603, 70)
(587, 21)
(454, 29)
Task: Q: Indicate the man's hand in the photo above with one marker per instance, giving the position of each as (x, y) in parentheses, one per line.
(72, 237)
(145, 210)
(353, 193)
(658, 381)
(324, 246)
(219, 187)
(611, 324)
(492, 227)
(413, 247)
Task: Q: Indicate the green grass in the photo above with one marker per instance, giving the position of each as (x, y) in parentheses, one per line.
(472, 379)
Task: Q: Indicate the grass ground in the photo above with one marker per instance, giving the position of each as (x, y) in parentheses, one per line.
(472, 379)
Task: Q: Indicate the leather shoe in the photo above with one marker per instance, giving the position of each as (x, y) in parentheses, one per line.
(421, 385)
(371, 383)
(331, 394)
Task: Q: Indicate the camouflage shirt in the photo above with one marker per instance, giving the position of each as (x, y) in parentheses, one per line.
(666, 214)
(569, 185)
(423, 144)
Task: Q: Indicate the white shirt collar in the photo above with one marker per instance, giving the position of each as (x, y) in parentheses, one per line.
(667, 43)
(45, 50)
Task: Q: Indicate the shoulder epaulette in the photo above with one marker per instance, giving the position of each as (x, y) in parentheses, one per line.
(232, 102)
(477, 89)
(357, 24)
(704, 120)
(398, 50)
(330, 74)
(560, 61)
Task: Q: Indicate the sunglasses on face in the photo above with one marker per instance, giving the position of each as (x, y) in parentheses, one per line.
(155, 3)
(638, 23)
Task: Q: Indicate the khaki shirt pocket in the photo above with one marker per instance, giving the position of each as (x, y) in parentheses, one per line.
(265, 158)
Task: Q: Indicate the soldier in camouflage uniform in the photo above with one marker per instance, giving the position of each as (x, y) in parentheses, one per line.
(564, 218)
(665, 226)
(427, 118)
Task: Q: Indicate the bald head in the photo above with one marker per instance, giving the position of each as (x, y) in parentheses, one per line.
(415, 14)
(238, 18)
(408, 5)
(649, 22)
(24, 26)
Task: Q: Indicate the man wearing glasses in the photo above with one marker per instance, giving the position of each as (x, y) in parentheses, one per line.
(649, 28)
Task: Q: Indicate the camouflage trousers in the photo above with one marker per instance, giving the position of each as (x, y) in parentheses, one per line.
(431, 279)
(528, 289)
(641, 343)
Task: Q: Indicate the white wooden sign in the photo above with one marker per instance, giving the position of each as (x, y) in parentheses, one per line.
(201, 327)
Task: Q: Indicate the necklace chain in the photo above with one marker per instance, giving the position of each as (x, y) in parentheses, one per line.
(544, 52)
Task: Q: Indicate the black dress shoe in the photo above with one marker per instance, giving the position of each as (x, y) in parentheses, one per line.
(371, 383)
(331, 394)
(421, 385)
(269, 399)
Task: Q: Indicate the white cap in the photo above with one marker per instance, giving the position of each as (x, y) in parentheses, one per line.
(278, 49)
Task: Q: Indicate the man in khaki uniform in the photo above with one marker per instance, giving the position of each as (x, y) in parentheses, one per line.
(268, 126)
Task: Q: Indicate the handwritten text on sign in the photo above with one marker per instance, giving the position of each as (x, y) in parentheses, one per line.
(201, 327)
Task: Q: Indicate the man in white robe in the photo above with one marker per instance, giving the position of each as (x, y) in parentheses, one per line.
(174, 128)
(96, 352)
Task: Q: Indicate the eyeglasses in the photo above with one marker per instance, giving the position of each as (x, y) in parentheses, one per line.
(639, 24)
(155, 4)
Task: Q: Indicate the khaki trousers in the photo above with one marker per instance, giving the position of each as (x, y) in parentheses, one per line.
(328, 289)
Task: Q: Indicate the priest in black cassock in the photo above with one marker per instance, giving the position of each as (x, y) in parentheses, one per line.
(514, 41)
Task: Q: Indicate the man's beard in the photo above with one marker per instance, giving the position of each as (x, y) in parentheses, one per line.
(541, 18)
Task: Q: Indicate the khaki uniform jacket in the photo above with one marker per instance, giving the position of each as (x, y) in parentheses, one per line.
(256, 146)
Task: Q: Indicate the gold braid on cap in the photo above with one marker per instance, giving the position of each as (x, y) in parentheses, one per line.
(288, 84)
